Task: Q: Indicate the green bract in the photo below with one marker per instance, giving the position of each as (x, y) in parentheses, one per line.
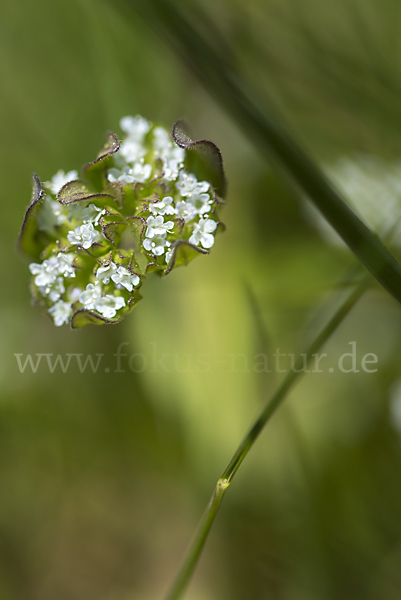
(147, 204)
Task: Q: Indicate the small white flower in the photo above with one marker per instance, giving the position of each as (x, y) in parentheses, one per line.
(104, 273)
(125, 278)
(109, 305)
(122, 175)
(156, 245)
(51, 215)
(201, 203)
(172, 164)
(64, 264)
(185, 210)
(135, 127)
(141, 172)
(157, 226)
(91, 295)
(161, 139)
(60, 312)
(163, 207)
(169, 254)
(132, 150)
(188, 185)
(171, 155)
(46, 272)
(203, 233)
(138, 173)
(60, 179)
(92, 214)
(53, 290)
(84, 235)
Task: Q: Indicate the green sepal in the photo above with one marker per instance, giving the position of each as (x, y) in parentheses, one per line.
(153, 267)
(183, 253)
(31, 240)
(116, 190)
(79, 191)
(113, 230)
(82, 317)
(95, 171)
(203, 158)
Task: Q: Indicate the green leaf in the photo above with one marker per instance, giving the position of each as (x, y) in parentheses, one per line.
(183, 253)
(116, 190)
(113, 231)
(95, 171)
(31, 240)
(79, 191)
(82, 317)
(203, 157)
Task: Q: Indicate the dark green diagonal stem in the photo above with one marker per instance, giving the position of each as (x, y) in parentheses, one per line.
(198, 542)
(222, 80)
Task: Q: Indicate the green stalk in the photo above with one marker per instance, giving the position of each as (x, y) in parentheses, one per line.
(198, 542)
(210, 65)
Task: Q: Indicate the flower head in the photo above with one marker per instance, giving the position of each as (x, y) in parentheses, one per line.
(109, 305)
(157, 226)
(203, 233)
(138, 208)
(84, 235)
(125, 278)
(61, 312)
(163, 207)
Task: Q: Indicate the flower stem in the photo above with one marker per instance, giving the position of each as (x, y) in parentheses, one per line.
(199, 539)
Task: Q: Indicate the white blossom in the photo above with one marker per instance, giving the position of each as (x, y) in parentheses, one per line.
(171, 155)
(60, 312)
(188, 185)
(157, 226)
(64, 264)
(45, 274)
(138, 173)
(203, 233)
(92, 214)
(185, 210)
(109, 305)
(163, 207)
(50, 215)
(60, 179)
(156, 245)
(125, 278)
(169, 254)
(48, 271)
(84, 235)
(104, 273)
(91, 295)
(132, 150)
(200, 202)
(161, 139)
(54, 290)
(135, 127)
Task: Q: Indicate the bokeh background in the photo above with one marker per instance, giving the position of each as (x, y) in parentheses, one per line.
(104, 475)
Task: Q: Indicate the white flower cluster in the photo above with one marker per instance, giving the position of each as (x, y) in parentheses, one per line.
(137, 187)
(192, 198)
(50, 274)
(196, 202)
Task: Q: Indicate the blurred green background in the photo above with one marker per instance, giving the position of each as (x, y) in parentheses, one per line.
(104, 475)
